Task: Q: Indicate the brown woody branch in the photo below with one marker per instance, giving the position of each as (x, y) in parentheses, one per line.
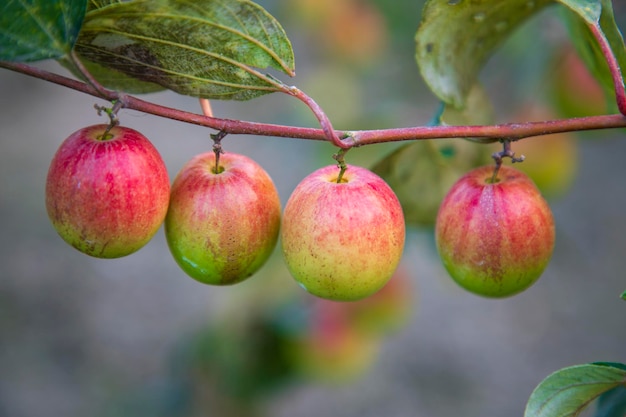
(511, 131)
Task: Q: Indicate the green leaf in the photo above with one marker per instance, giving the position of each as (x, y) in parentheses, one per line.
(455, 39)
(578, 16)
(32, 30)
(568, 391)
(612, 403)
(421, 173)
(204, 48)
(623, 296)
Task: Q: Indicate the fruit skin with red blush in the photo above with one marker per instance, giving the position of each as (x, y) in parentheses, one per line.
(342, 241)
(222, 224)
(495, 238)
(107, 192)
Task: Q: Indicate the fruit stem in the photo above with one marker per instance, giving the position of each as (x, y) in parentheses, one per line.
(111, 112)
(341, 163)
(217, 148)
(506, 152)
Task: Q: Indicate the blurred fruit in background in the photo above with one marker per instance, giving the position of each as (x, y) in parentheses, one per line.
(331, 348)
(342, 339)
(574, 92)
(386, 311)
(350, 30)
(284, 338)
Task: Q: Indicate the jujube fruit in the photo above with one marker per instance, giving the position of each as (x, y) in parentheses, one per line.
(222, 223)
(107, 192)
(342, 241)
(495, 238)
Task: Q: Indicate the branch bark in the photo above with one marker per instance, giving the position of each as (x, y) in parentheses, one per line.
(512, 131)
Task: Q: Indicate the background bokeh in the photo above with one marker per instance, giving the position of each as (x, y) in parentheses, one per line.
(136, 337)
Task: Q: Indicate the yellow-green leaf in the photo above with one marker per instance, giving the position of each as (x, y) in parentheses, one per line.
(203, 48)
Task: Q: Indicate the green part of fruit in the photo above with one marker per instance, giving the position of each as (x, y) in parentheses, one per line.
(222, 227)
(342, 241)
(107, 198)
(495, 239)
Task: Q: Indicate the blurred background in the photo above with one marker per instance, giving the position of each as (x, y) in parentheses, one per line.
(136, 337)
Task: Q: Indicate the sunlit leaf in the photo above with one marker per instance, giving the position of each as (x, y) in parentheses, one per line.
(568, 391)
(205, 48)
(32, 30)
(456, 37)
(578, 16)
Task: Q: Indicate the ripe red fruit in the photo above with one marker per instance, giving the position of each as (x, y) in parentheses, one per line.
(107, 194)
(495, 239)
(342, 241)
(222, 225)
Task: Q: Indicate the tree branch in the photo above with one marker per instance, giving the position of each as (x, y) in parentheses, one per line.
(511, 131)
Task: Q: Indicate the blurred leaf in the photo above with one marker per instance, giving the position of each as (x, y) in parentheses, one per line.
(421, 173)
(455, 39)
(578, 15)
(568, 391)
(32, 30)
(477, 111)
(245, 360)
(624, 295)
(203, 48)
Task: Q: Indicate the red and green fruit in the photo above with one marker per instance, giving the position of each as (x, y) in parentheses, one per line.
(222, 223)
(342, 240)
(495, 238)
(107, 192)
